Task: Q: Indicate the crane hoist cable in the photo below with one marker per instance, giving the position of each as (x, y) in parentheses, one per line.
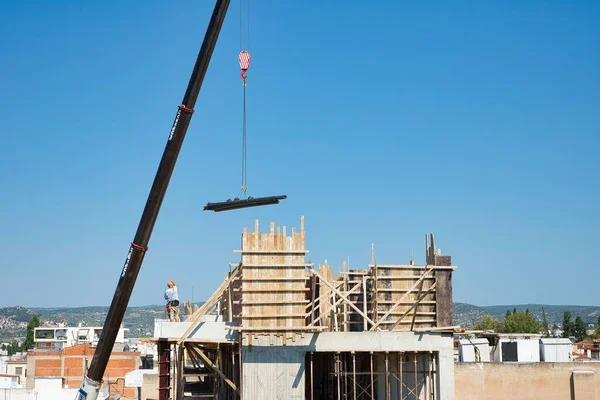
(244, 199)
(244, 59)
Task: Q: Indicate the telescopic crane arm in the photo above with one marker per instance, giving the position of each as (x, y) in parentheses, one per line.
(92, 381)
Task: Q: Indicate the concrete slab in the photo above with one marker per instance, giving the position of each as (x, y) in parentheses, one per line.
(209, 331)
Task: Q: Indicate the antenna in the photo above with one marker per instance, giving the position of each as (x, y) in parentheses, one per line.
(372, 253)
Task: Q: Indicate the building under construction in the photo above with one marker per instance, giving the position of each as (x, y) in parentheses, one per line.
(279, 327)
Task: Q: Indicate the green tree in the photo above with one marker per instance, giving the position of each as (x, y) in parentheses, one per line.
(13, 348)
(545, 326)
(507, 314)
(598, 328)
(579, 329)
(33, 323)
(520, 322)
(487, 323)
(567, 325)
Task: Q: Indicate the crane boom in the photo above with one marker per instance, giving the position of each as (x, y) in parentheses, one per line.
(91, 383)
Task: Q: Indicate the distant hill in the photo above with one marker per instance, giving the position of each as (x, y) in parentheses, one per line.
(140, 320)
(466, 315)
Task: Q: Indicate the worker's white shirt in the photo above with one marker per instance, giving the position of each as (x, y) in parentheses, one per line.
(171, 294)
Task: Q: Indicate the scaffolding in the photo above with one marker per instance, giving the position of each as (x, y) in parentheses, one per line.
(273, 294)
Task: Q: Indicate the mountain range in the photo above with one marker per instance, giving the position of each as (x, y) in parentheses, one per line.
(140, 320)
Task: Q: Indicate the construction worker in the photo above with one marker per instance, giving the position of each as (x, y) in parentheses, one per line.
(172, 298)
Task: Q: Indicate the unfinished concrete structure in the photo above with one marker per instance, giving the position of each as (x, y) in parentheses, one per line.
(277, 328)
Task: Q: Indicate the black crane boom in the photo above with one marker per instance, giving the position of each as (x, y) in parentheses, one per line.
(137, 250)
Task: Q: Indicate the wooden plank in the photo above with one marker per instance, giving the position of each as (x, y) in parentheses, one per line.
(277, 316)
(291, 252)
(278, 328)
(417, 267)
(403, 278)
(394, 290)
(263, 302)
(407, 322)
(273, 290)
(277, 279)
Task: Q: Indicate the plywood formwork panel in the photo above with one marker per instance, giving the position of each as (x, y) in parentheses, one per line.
(390, 283)
(273, 281)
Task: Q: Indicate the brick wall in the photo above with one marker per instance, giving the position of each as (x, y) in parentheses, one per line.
(71, 364)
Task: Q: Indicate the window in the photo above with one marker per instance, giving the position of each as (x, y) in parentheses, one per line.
(18, 370)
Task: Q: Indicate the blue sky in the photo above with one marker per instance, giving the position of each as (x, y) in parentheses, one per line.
(478, 121)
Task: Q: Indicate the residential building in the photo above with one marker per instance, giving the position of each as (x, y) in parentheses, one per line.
(57, 338)
(17, 367)
(71, 363)
(587, 350)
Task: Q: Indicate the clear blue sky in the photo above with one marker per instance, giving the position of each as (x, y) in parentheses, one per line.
(478, 121)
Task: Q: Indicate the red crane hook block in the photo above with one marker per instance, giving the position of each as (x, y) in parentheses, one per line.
(244, 59)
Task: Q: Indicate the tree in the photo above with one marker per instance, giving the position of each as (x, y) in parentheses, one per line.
(598, 328)
(520, 322)
(579, 330)
(567, 325)
(13, 348)
(507, 314)
(33, 323)
(545, 326)
(487, 323)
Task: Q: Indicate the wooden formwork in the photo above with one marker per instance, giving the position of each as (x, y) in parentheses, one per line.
(358, 280)
(273, 280)
(403, 286)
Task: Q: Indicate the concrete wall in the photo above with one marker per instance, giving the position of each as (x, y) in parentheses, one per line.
(274, 372)
(150, 387)
(539, 381)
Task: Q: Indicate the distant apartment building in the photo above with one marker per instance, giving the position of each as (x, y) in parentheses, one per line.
(57, 338)
(71, 363)
(17, 367)
(587, 350)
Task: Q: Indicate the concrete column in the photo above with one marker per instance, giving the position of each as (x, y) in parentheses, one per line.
(445, 373)
(583, 385)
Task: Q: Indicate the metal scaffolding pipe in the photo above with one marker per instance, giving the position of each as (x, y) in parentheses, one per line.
(345, 376)
(312, 380)
(372, 379)
(354, 375)
(399, 380)
(337, 372)
(435, 377)
(401, 374)
(388, 394)
(416, 377)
